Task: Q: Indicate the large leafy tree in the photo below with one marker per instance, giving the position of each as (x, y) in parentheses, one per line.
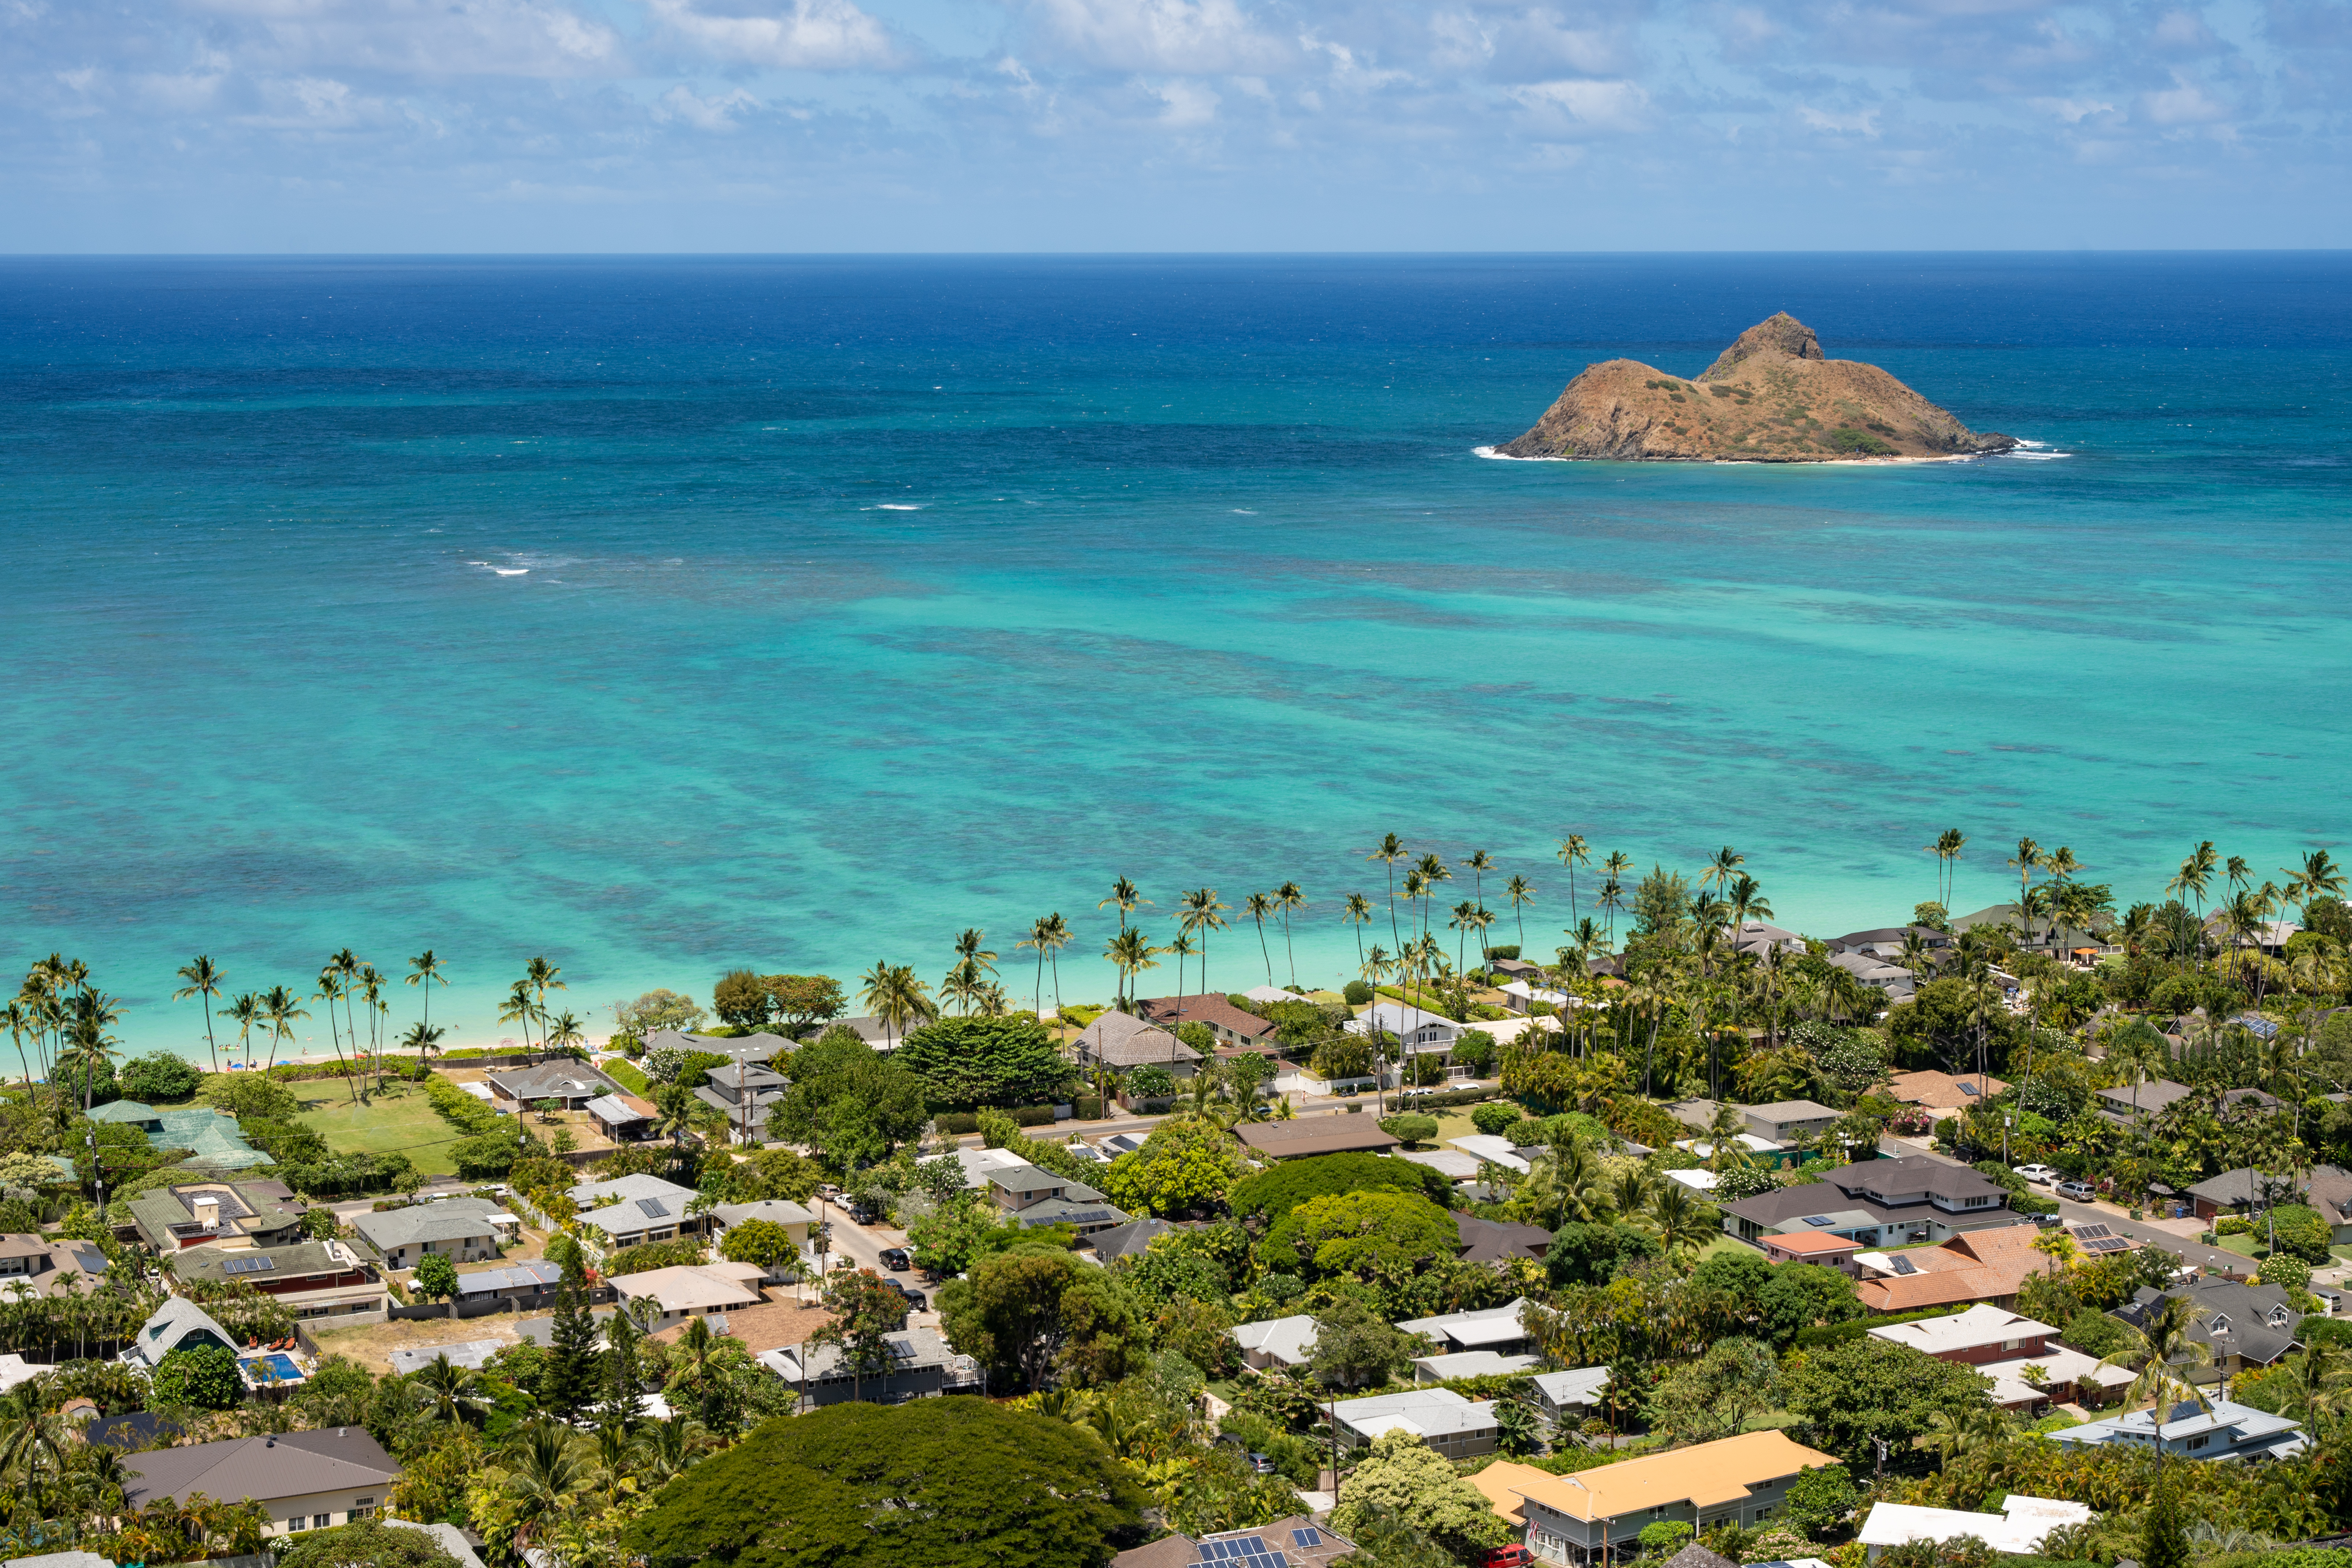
(1186, 1165)
(946, 1483)
(1360, 1234)
(1275, 1193)
(206, 1377)
(369, 1543)
(1354, 1344)
(848, 1104)
(1404, 1479)
(1037, 1313)
(987, 1061)
(1868, 1390)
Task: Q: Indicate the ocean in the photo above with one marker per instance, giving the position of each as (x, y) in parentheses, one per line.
(669, 616)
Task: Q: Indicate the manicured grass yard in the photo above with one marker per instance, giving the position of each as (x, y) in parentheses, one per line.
(2243, 1245)
(400, 1120)
(626, 1075)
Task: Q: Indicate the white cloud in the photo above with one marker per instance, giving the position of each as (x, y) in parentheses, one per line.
(1863, 124)
(1564, 106)
(1189, 103)
(420, 38)
(682, 103)
(1192, 37)
(806, 35)
(2184, 103)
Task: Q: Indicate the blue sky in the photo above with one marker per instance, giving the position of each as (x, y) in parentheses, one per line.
(811, 125)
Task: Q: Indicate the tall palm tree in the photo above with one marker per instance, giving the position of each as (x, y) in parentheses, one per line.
(2318, 877)
(2167, 1354)
(973, 945)
(1522, 892)
(1132, 952)
(1684, 1222)
(1039, 932)
(1432, 871)
(1183, 947)
(348, 966)
(1946, 849)
(893, 995)
(1203, 913)
(245, 1010)
(1057, 937)
(1289, 897)
(1257, 906)
(1574, 852)
(1745, 898)
(18, 1021)
(424, 1040)
(543, 976)
(518, 1008)
(204, 981)
(2025, 862)
(281, 1007)
(1357, 912)
(1416, 886)
(962, 984)
(1725, 864)
(369, 983)
(334, 988)
(426, 971)
(2195, 877)
(1123, 894)
(563, 1033)
(1463, 920)
(447, 1393)
(1390, 850)
(1480, 863)
(1612, 899)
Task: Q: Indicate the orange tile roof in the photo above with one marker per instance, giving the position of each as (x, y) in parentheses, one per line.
(1701, 1476)
(1937, 1288)
(1503, 1481)
(1805, 1243)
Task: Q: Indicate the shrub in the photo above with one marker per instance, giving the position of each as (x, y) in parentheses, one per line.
(1033, 1116)
(955, 1123)
(1357, 993)
(2285, 1270)
(206, 1377)
(694, 1071)
(1496, 1118)
(2301, 1232)
(998, 1131)
(160, 1076)
(1845, 438)
(653, 1254)
(1412, 1129)
(2233, 1224)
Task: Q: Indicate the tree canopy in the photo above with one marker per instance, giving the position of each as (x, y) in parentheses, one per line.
(1185, 1166)
(1412, 1482)
(1274, 1193)
(947, 1483)
(848, 1104)
(1037, 1313)
(1361, 1234)
(1868, 1390)
(977, 1060)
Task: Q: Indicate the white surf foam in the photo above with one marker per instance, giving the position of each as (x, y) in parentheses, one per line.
(896, 506)
(512, 571)
(1509, 458)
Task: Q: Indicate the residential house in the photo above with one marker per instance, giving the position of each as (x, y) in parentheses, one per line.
(210, 1136)
(1521, 996)
(2048, 937)
(1493, 1148)
(1306, 1136)
(921, 1367)
(1979, 1335)
(630, 1211)
(762, 1048)
(527, 1285)
(1131, 1240)
(2330, 1193)
(1277, 1342)
(1268, 995)
(464, 1230)
(570, 1084)
(1939, 1093)
(1229, 1024)
(1887, 941)
(1786, 1121)
(2246, 1192)
(1825, 1248)
(311, 1278)
(1418, 1033)
(2017, 1530)
(1989, 1266)
(1757, 937)
(1042, 1198)
(1569, 1397)
(798, 1223)
(977, 1164)
(744, 1094)
(1454, 1164)
(1495, 1328)
(1506, 970)
(178, 1324)
(1446, 1367)
(1296, 1542)
(2244, 1325)
(2227, 1431)
(1488, 1241)
(2115, 1105)
(1125, 1042)
(1879, 1202)
(691, 1291)
(34, 1265)
(307, 1480)
(624, 1118)
(1456, 1427)
(1898, 983)
(1599, 1513)
(258, 1213)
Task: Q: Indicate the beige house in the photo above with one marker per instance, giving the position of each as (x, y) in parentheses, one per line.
(307, 1480)
(1577, 1519)
(691, 1290)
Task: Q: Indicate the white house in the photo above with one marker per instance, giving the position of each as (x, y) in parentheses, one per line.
(1418, 1032)
(2017, 1530)
(2229, 1431)
(1279, 1341)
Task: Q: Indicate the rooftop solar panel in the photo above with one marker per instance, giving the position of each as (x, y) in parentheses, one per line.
(1815, 1219)
(652, 1208)
(248, 1265)
(1307, 1538)
(2091, 1232)
(1904, 1265)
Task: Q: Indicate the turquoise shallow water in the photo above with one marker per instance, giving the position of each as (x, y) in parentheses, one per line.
(1203, 583)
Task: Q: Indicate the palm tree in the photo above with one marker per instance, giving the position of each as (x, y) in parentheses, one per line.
(1289, 897)
(448, 1393)
(426, 971)
(1415, 884)
(1390, 851)
(1612, 899)
(893, 995)
(1723, 867)
(281, 1007)
(563, 1033)
(971, 947)
(518, 1008)
(2195, 876)
(541, 976)
(2025, 862)
(2319, 878)
(245, 1012)
(370, 982)
(1132, 952)
(1057, 937)
(1480, 863)
(2169, 1355)
(1183, 947)
(347, 967)
(1203, 913)
(1745, 898)
(1432, 871)
(1257, 906)
(421, 1038)
(1463, 919)
(205, 981)
(19, 1023)
(1683, 1223)
(331, 989)
(962, 984)
(1522, 892)
(1357, 913)
(1040, 929)
(1946, 849)
(1123, 894)
(1573, 852)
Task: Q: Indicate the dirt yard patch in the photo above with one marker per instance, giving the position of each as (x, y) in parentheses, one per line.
(372, 1344)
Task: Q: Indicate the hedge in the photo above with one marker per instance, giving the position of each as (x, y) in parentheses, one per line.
(1444, 1097)
(1031, 1116)
(458, 1108)
(956, 1122)
(1845, 1333)
(1089, 1107)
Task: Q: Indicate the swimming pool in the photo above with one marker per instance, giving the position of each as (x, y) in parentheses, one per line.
(275, 1367)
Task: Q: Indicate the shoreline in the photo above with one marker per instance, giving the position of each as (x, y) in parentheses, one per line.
(1496, 454)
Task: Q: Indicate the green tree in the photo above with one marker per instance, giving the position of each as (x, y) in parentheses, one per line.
(945, 1483)
(159, 1075)
(206, 1377)
(741, 1000)
(763, 1242)
(1590, 1252)
(1801, 1295)
(865, 1312)
(1186, 1165)
(368, 1544)
(987, 1061)
(957, 1232)
(1038, 1314)
(1268, 1196)
(1820, 1499)
(570, 1383)
(796, 1001)
(1356, 1345)
(1413, 1482)
(1361, 1234)
(1868, 1390)
(848, 1104)
(1713, 1397)
(436, 1278)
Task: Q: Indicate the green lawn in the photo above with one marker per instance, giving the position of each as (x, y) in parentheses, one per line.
(2243, 1245)
(626, 1075)
(400, 1120)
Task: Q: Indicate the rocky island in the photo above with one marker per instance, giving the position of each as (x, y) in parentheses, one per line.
(1771, 397)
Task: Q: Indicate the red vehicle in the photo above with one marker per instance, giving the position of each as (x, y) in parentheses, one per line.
(1509, 1557)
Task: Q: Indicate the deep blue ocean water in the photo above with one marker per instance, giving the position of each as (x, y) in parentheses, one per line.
(860, 600)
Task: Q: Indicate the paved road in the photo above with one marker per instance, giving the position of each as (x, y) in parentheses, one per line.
(2212, 1260)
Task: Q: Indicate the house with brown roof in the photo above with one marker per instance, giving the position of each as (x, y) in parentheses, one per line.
(1309, 1135)
(307, 1480)
(1989, 1266)
(41, 1266)
(1228, 1023)
(1122, 1040)
(1941, 1091)
(1599, 1514)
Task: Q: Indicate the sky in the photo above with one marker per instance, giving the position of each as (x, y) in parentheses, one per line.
(1171, 125)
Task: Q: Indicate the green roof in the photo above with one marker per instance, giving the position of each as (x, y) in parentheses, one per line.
(125, 1110)
(214, 1137)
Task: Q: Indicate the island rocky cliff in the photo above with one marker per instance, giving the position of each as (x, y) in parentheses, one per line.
(1771, 397)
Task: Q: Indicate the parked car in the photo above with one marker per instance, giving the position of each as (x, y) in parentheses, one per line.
(1508, 1557)
(918, 1301)
(865, 1214)
(895, 1259)
(2080, 1192)
(2041, 1175)
(1261, 1463)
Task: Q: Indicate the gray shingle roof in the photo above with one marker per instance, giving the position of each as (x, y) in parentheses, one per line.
(287, 1465)
(448, 1219)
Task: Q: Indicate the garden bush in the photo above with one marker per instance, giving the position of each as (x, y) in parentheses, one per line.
(1033, 1116)
(2233, 1224)
(955, 1123)
(1496, 1116)
(1357, 993)
(2300, 1232)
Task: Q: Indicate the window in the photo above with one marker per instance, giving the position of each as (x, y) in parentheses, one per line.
(320, 1521)
(294, 1524)
(2199, 1441)
(2009, 1345)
